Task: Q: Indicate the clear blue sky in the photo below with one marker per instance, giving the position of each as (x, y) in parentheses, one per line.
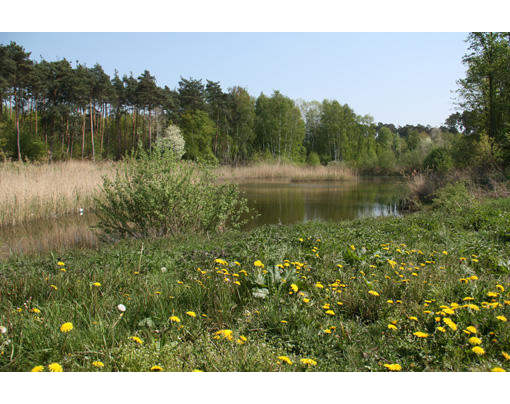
(397, 78)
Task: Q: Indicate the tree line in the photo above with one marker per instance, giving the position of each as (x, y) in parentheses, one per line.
(54, 110)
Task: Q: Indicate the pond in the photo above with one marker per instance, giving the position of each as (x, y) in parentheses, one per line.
(334, 201)
(279, 201)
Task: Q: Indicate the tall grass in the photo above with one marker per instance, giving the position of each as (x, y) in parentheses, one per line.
(29, 191)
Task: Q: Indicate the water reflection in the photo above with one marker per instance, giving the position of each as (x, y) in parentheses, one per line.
(287, 203)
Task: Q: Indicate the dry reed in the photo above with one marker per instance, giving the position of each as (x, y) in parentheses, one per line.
(35, 191)
(291, 172)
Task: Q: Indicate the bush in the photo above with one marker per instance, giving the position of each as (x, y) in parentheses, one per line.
(454, 198)
(313, 159)
(154, 195)
(439, 160)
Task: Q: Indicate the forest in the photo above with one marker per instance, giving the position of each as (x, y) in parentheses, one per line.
(54, 110)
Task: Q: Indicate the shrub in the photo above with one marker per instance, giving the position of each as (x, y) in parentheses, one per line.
(153, 194)
(454, 198)
(313, 159)
(439, 160)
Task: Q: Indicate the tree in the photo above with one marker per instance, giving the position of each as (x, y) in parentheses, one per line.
(279, 127)
(148, 96)
(191, 95)
(198, 131)
(242, 118)
(482, 92)
(172, 139)
(18, 70)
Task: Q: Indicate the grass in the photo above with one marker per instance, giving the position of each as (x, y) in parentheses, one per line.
(431, 266)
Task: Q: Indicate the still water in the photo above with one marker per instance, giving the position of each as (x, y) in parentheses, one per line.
(275, 201)
(297, 202)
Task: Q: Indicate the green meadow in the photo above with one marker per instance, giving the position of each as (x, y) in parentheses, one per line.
(427, 291)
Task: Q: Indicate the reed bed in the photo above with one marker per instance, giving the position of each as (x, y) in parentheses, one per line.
(35, 191)
(292, 172)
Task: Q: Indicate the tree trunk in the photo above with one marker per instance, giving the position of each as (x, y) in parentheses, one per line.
(17, 124)
(150, 132)
(92, 131)
(83, 136)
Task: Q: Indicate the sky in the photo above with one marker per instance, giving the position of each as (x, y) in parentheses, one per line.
(399, 78)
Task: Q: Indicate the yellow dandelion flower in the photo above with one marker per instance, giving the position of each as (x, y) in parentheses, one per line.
(60, 264)
(55, 367)
(220, 261)
(373, 293)
(502, 318)
(306, 361)
(474, 341)
(227, 334)
(175, 319)
(496, 369)
(63, 269)
(327, 331)
(392, 327)
(413, 318)
(98, 364)
(137, 340)
(319, 285)
(191, 313)
(450, 323)
(330, 312)
(283, 321)
(442, 329)
(500, 288)
(505, 355)
(285, 359)
(53, 287)
(66, 327)
(156, 368)
(392, 263)
(38, 368)
(306, 300)
(492, 294)
(389, 301)
(352, 247)
(471, 329)
(294, 287)
(258, 264)
(394, 367)
(96, 284)
(420, 334)
(478, 350)
(197, 370)
(36, 310)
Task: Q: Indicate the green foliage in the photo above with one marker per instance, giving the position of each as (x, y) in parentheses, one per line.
(453, 198)
(439, 161)
(313, 159)
(32, 148)
(154, 195)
